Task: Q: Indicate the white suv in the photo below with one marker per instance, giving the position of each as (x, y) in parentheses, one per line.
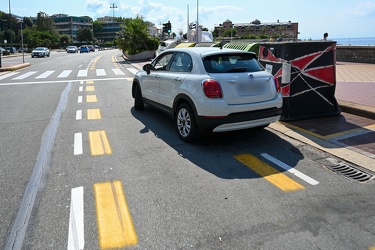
(209, 89)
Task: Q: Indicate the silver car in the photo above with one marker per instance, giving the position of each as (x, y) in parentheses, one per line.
(72, 49)
(209, 89)
(40, 52)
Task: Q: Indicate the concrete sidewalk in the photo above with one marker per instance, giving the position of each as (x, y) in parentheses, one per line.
(355, 88)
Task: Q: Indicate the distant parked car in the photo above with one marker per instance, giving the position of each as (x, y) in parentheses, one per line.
(8, 49)
(209, 89)
(91, 48)
(20, 50)
(40, 52)
(72, 49)
(84, 49)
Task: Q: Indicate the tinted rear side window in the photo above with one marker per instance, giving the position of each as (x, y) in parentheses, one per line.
(226, 63)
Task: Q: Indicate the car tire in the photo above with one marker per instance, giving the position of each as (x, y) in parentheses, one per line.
(138, 102)
(187, 128)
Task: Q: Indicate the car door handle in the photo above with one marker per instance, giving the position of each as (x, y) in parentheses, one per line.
(157, 76)
(178, 79)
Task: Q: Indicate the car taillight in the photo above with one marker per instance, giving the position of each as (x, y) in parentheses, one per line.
(212, 88)
(277, 84)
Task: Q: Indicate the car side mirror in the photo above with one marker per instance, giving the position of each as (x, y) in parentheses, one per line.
(147, 67)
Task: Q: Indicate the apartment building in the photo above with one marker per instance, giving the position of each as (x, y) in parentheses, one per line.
(285, 29)
(69, 25)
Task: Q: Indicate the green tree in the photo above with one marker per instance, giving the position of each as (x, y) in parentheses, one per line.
(230, 32)
(134, 37)
(84, 35)
(65, 39)
(44, 22)
(97, 27)
(27, 21)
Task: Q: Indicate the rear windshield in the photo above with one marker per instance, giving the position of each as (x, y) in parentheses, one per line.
(226, 63)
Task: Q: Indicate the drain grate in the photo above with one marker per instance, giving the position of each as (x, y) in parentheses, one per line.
(351, 172)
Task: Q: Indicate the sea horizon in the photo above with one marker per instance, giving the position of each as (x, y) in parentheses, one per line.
(357, 41)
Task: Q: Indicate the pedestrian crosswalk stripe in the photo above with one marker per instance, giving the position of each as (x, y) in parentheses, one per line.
(25, 75)
(133, 70)
(45, 74)
(82, 73)
(65, 73)
(118, 72)
(100, 72)
(8, 75)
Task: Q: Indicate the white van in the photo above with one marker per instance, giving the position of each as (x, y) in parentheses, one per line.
(168, 44)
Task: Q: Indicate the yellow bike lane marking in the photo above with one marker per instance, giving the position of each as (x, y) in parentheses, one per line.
(115, 224)
(272, 175)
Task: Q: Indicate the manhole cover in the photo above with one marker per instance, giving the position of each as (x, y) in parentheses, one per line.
(351, 172)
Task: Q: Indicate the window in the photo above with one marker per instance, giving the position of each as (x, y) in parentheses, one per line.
(226, 63)
(162, 62)
(181, 63)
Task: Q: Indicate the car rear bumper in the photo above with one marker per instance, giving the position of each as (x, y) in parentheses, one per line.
(237, 121)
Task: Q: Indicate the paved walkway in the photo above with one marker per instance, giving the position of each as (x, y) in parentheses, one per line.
(355, 83)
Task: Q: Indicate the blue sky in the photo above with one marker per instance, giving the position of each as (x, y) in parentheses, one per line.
(340, 18)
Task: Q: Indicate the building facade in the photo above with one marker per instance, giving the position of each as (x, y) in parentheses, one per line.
(285, 29)
(69, 25)
(109, 30)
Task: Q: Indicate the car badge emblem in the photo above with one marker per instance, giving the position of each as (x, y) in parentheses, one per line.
(251, 76)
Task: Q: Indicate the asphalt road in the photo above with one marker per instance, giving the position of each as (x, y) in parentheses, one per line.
(81, 169)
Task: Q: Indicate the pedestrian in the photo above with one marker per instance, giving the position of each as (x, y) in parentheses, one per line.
(325, 35)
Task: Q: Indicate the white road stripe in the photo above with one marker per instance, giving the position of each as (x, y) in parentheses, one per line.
(76, 239)
(100, 72)
(25, 75)
(78, 150)
(79, 115)
(290, 169)
(80, 89)
(65, 73)
(133, 70)
(118, 72)
(82, 73)
(45, 74)
(80, 99)
(8, 75)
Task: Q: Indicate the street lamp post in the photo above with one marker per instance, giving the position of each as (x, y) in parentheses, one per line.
(10, 30)
(23, 49)
(197, 29)
(113, 7)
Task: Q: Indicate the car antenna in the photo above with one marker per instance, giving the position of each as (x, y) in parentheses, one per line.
(221, 45)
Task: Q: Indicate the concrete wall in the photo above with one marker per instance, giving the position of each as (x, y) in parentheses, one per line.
(361, 54)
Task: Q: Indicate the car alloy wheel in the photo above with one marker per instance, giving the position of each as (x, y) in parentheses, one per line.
(185, 121)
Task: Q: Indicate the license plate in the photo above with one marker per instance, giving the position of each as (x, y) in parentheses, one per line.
(250, 88)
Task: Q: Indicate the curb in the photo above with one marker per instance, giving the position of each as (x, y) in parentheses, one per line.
(357, 109)
(326, 146)
(15, 67)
